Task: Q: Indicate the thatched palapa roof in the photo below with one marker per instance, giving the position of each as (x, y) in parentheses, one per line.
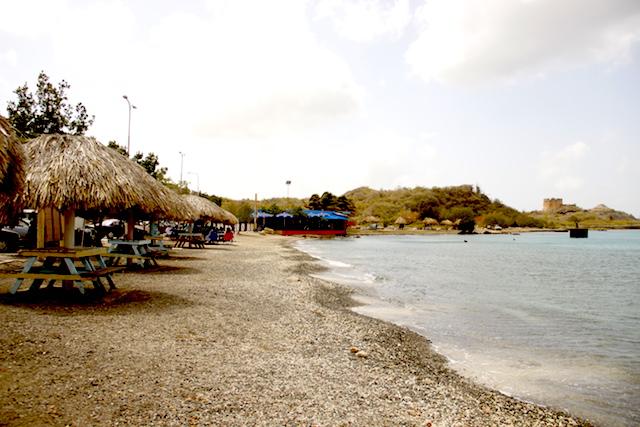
(401, 221)
(204, 208)
(77, 172)
(230, 219)
(11, 172)
(430, 221)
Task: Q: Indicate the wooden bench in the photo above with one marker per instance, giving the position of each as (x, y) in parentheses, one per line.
(54, 275)
(40, 275)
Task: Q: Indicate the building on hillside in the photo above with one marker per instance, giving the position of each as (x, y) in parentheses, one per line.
(552, 204)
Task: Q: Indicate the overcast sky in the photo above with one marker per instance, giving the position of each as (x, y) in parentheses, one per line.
(526, 98)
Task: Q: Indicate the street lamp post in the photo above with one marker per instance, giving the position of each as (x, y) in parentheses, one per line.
(131, 106)
(181, 164)
(284, 222)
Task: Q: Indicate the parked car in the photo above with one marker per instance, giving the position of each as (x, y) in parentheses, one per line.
(115, 228)
(12, 237)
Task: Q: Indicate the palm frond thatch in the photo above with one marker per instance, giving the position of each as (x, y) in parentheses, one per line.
(11, 172)
(430, 221)
(204, 208)
(371, 219)
(230, 219)
(401, 221)
(446, 222)
(77, 172)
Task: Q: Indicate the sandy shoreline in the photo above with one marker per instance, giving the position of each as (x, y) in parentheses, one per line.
(230, 335)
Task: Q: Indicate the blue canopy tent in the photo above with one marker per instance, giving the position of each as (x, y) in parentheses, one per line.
(306, 221)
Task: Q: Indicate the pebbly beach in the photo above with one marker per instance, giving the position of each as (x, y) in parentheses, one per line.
(234, 334)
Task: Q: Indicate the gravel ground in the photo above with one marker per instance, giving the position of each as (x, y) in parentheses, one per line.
(229, 335)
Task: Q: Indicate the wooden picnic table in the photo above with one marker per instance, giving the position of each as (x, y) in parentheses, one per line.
(190, 239)
(137, 251)
(157, 245)
(67, 265)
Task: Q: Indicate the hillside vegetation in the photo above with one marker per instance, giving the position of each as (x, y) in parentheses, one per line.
(438, 203)
(600, 216)
(420, 206)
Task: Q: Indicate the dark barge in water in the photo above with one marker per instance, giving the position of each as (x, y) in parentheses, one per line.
(580, 233)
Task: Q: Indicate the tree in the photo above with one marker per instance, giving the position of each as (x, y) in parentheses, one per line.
(575, 219)
(48, 111)
(328, 201)
(213, 198)
(314, 202)
(467, 220)
(344, 204)
(150, 163)
(119, 148)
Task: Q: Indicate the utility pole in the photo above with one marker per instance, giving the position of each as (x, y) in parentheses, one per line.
(255, 214)
(129, 127)
(181, 164)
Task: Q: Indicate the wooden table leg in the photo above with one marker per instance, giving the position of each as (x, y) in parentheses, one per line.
(27, 267)
(97, 283)
(35, 285)
(102, 264)
(72, 270)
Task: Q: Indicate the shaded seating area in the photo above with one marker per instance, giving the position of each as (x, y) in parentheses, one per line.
(68, 176)
(190, 240)
(71, 267)
(133, 251)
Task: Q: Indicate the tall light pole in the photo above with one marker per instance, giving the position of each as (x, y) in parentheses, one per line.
(288, 182)
(131, 106)
(181, 164)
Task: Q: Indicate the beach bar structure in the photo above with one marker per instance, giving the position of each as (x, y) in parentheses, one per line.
(306, 221)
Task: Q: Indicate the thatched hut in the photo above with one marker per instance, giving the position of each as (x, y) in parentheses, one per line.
(204, 208)
(76, 173)
(446, 223)
(400, 222)
(430, 221)
(11, 172)
(371, 219)
(230, 219)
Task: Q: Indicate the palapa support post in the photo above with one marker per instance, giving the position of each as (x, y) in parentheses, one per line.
(40, 228)
(69, 228)
(131, 223)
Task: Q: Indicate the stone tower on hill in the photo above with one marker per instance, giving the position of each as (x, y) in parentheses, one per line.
(549, 205)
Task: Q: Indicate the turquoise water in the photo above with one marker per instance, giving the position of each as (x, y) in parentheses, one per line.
(539, 316)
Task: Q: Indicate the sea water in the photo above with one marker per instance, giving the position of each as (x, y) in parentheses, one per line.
(539, 316)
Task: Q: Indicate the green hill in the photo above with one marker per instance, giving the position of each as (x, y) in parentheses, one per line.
(463, 203)
(438, 203)
(600, 216)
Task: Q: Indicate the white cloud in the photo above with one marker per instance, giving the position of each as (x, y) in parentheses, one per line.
(251, 68)
(239, 68)
(365, 20)
(477, 41)
(9, 57)
(32, 18)
(396, 161)
(562, 169)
